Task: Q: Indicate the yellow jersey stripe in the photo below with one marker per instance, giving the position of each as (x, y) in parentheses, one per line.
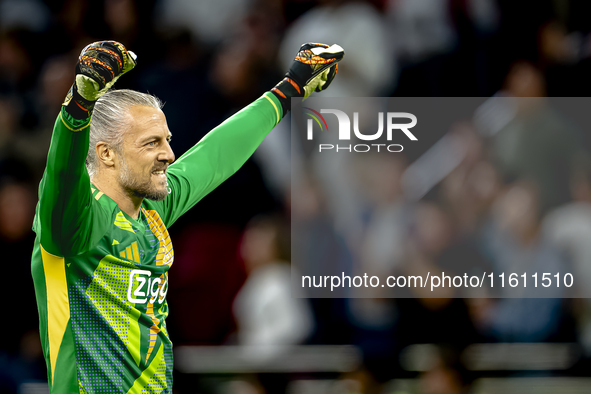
(136, 252)
(58, 303)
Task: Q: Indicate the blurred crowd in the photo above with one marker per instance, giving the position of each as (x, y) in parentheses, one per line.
(519, 196)
(507, 197)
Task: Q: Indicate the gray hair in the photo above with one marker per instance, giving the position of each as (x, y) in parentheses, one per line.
(110, 119)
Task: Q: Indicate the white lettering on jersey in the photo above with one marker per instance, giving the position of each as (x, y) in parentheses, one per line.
(140, 276)
(146, 287)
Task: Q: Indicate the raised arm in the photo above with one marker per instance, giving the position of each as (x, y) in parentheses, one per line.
(65, 211)
(227, 147)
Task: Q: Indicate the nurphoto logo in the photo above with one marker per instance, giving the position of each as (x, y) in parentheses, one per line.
(393, 127)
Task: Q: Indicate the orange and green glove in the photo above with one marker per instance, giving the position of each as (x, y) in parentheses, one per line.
(99, 66)
(313, 69)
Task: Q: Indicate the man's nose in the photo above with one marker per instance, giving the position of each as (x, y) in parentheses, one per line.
(167, 154)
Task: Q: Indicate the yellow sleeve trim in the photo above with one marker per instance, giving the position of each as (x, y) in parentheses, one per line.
(274, 106)
(71, 128)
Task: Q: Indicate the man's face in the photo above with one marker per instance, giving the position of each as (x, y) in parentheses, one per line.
(146, 154)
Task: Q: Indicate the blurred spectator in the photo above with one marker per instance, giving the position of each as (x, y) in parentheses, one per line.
(568, 228)
(514, 243)
(15, 62)
(447, 48)
(359, 28)
(420, 29)
(434, 245)
(55, 81)
(469, 188)
(538, 143)
(17, 74)
(382, 249)
(210, 20)
(317, 245)
(269, 319)
(266, 313)
(30, 14)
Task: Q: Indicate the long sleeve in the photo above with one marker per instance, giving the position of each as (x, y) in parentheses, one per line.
(217, 156)
(64, 218)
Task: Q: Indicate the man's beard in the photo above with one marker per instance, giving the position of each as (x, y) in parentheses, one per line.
(136, 188)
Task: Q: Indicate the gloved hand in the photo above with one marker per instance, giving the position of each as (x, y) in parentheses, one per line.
(313, 69)
(99, 66)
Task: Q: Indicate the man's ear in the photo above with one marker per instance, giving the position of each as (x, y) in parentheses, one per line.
(106, 155)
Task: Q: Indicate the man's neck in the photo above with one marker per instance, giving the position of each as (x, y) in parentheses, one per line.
(110, 187)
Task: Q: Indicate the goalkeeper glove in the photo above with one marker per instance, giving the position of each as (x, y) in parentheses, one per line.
(313, 69)
(99, 66)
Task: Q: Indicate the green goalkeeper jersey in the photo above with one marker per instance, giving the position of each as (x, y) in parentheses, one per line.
(100, 276)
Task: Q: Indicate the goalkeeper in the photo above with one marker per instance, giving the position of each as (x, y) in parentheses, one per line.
(109, 192)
